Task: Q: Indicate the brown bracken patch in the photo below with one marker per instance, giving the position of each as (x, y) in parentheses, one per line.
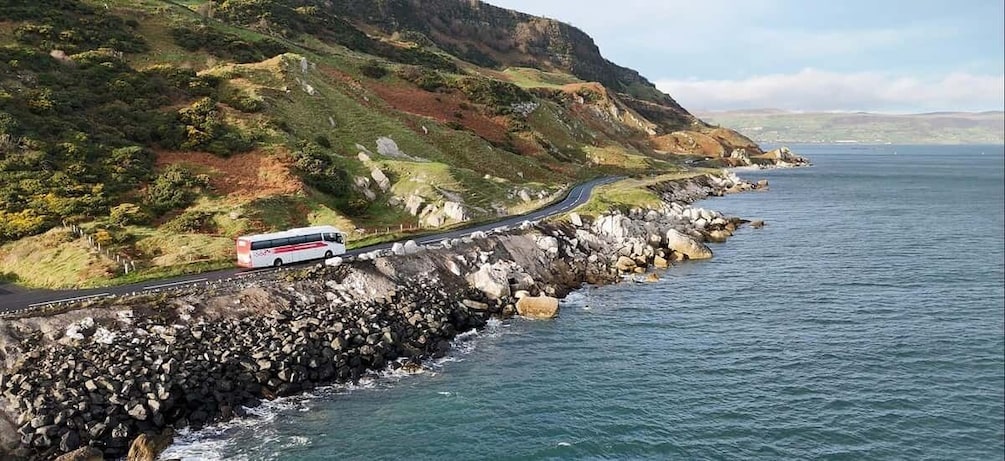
(444, 107)
(689, 142)
(242, 176)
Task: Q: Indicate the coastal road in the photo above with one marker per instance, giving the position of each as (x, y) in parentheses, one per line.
(14, 298)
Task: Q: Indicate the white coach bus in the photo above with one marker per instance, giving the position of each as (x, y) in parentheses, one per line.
(289, 246)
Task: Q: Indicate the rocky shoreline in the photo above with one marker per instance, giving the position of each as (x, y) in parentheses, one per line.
(93, 379)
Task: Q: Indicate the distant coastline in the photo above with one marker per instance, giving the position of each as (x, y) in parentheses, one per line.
(938, 128)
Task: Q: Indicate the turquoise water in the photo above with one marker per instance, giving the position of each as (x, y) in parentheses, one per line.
(865, 321)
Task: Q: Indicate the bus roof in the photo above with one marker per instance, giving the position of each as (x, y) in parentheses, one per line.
(290, 233)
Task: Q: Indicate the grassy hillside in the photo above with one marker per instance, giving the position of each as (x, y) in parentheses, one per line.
(930, 128)
(164, 129)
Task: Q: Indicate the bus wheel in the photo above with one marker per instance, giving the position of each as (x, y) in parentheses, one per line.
(329, 254)
(278, 262)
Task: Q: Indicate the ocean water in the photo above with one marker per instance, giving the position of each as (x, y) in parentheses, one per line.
(865, 321)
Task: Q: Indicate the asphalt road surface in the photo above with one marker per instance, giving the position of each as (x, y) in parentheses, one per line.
(13, 297)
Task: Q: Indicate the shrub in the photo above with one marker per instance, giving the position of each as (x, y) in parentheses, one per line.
(323, 141)
(373, 69)
(112, 235)
(205, 130)
(429, 80)
(126, 214)
(318, 171)
(225, 45)
(192, 221)
(129, 166)
(174, 188)
(499, 96)
(22, 223)
(70, 25)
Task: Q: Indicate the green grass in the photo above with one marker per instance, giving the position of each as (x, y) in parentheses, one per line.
(533, 78)
(629, 193)
(420, 178)
(54, 259)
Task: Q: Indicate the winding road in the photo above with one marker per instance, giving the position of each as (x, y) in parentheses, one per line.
(14, 298)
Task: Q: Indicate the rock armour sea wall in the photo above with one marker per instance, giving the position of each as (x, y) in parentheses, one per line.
(103, 374)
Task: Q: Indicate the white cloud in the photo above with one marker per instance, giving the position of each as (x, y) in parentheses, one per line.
(818, 90)
(801, 44)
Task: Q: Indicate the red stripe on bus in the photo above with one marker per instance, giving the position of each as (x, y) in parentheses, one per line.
(302, 246)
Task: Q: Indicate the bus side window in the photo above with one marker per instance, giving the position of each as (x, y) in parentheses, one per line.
(339, 238)
(329, 237)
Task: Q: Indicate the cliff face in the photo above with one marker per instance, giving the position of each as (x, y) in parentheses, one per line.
(495, 37)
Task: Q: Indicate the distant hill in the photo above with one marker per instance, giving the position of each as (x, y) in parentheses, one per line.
(769, 125)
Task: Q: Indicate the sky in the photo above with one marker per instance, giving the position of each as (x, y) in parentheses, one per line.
(892, 56)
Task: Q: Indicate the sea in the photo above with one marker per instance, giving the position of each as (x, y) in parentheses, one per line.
(865, 320)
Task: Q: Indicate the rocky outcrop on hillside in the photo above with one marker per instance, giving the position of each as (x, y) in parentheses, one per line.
(103, 374)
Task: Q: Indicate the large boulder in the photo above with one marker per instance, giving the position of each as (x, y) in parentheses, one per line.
(660, 262)
(548, 243)
(410, 247)
(491, 279)
(687, 245)
(381, 179)
(413, 203)
(616, 226)
(455, 211)
(537, 307)
(147, 447)
(625, 264)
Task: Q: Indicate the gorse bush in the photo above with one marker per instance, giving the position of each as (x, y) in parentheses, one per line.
(172, 189)
(71, 26)
(192, 221)
(427, 79)
(497, 95)
(126, 214)
(14, 225)
(205, 130)
(224, 45)
(373, 69)
(320, 172)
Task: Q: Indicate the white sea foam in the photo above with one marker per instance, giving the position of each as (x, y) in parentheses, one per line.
(211, 442)
(215, 442)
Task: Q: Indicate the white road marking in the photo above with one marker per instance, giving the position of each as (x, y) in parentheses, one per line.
(78, 298)
(184, 282)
